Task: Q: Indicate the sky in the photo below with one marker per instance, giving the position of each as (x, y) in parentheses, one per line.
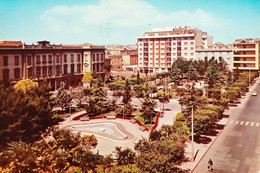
(103, 22)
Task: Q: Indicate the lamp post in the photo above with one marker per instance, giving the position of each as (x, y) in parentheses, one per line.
(249, 80)
(192, 136)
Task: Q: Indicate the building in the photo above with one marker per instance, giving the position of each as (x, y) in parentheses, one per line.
(157, 50)
(246, 54)
(94, 59)
(56, 63)
(116, 62)
(218, 52)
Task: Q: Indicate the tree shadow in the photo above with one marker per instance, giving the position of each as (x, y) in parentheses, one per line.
(225, 116)
(202, 139)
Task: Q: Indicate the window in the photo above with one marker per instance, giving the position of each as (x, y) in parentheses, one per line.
(206, 58)
(30, 72)
(57, 71)
(101, 58)
(44, 59)
(50, 59)
(65, 58)
(93, 57)
(16, 60)
(57, 59)
(72, 58)
(65, 67)
(78, 68)
(220, 58)
(29, 60)
(236, 58)
(6, 74)
(17, 73)
(38, 59)
(6, 61)
(72, 68)
(78, 57)
(44, 71)
(94, 69)
(50, 71)
(97, 57)
(38, 72)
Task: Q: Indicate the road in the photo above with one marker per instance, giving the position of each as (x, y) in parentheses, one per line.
(237, 149)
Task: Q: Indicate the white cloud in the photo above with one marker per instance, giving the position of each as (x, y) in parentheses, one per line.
(111, 16)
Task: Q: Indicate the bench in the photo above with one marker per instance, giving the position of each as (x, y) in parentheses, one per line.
(133, 121)
(111, 117)
(84, 118)
(142, 128)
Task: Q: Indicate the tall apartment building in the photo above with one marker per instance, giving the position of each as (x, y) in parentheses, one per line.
(56, 63)
(246, 54)
(157, 50)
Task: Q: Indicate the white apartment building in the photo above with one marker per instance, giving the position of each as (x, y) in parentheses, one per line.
(157, 50)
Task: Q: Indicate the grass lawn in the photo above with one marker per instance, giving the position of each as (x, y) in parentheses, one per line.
(138, 116)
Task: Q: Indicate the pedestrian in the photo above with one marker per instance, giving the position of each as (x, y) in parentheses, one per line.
(210, 165)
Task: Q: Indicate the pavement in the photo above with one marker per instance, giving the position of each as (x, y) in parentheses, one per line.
(201, 149)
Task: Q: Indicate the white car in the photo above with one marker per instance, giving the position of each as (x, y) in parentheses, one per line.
(254, 93)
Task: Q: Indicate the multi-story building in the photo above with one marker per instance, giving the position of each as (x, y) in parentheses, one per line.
(157, 50)
(246, 54)
(94, 59)
(218, 52)
(116, 62)
(56, 63)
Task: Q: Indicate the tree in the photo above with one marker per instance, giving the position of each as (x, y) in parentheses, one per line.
(125, 156)
(25, 85)
(63, 98)
(148, 112)
(90, 141)
(212, 75)
(192, 73)
(98, 104)
(87, 78)
(126, 93)
(159, 156)
(78, 94)
(25, 115)
(59, 154)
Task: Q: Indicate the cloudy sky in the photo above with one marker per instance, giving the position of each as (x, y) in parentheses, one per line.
(122, 21)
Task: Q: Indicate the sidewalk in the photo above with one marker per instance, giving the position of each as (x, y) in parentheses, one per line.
(201, 149)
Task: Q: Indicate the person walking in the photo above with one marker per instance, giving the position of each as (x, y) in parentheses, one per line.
(210, 165)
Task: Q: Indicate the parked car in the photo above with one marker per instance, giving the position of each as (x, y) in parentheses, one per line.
(254, 93)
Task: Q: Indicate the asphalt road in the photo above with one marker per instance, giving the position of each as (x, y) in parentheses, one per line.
(237, 149)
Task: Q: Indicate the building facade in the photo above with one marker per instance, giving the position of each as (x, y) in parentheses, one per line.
(157, 50)
(246, 54)
(218, 52)
(55, 63)
(116, 62)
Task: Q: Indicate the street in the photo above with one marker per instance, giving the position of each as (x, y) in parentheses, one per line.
(237, 149)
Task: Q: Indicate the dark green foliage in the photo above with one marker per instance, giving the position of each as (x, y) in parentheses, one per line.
(125, 156)
(98, 104)
(24, 115)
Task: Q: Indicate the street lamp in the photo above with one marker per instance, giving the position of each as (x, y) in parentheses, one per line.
(192, 135)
